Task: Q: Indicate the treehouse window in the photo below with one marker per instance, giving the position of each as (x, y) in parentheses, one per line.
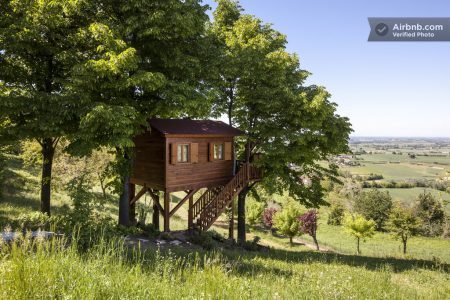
(218, 151)
(183, 153)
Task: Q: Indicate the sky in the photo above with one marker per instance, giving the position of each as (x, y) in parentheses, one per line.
(399, 89)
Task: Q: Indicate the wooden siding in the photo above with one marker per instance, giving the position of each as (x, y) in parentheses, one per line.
(204, 173)
(149, 160)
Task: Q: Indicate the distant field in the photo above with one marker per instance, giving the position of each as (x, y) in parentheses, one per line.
(388, 157)
(408, 196)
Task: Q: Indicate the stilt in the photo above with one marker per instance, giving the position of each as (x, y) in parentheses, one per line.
(190, 218)
(166, 211)
(132, 210)
(231, 226)
(155, 217)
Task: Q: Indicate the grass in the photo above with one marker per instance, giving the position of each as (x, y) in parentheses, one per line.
(49, 270)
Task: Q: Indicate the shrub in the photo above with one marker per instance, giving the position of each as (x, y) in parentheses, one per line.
(360, 228)
(254, 211)
(2, 172)
(286, 221)
(336, 214)
(375, 205)
(268, 217)
(431, 212)
(308, 224)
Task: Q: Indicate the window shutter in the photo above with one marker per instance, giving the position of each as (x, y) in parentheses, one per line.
(173, 153)
(194, 153)
(228, 149)
(211, 151)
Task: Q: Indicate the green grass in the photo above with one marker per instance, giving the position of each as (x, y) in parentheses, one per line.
(48, 271)
(409, 196)
(400, 171)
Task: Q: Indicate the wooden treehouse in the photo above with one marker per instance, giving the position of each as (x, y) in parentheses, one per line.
(193, 156)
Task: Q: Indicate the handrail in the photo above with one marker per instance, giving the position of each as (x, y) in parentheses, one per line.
(215, 206)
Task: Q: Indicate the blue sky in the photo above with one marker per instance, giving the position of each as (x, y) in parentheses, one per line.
(385, 88)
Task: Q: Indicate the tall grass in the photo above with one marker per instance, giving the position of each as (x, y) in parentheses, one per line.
(109, 270)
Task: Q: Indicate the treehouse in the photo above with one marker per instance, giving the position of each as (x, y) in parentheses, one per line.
(196, 157)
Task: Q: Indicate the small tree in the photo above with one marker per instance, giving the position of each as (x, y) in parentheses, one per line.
(308, 224)
(336, 214)
(375, 205)
(286, 221)
(403, 224)
(360, 228)
(268, 216)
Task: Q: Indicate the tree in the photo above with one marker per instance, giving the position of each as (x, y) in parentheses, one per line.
(403, 224)
(375, 205)
(286, 221)
(261, 90)
(41, 43)
(360, 228)
(336, 214)
(308, 224)
(153, 66)
(431, 213)
(268, 216)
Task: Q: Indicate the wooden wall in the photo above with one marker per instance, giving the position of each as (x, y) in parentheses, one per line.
(204, 173)
(149, 160)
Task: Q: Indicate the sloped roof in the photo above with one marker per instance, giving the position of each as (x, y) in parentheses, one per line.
(194, 127)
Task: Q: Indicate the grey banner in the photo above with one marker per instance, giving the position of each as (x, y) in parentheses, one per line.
(409, 29)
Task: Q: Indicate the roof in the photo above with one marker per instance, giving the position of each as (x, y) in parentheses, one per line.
(193, 127)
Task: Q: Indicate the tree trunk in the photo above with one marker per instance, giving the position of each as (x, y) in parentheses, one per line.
(48, 152)
(357, 246)
(404, 245)
(124, 204)
(155, 217)
(291, 241)
(316, 242)
(231, 224)
(241, 235)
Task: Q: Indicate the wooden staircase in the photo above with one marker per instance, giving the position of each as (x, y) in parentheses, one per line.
(214, 201)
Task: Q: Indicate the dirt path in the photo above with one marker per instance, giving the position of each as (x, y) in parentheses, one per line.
(313, 246)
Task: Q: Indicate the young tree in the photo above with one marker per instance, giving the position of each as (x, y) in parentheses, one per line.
(261, 89)
(268, 216)
(403, 224)
(286, 221)
(360, 228)
(375, 205)
(41, 42)
(431, 213)
(254, 212)
(308, 224)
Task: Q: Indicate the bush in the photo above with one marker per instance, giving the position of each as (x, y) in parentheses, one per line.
(336, 214)
(254, 211)
(268, 217)
(308, 224)
(286, 221)
(2, 172)
(375, 205)
(431, 212)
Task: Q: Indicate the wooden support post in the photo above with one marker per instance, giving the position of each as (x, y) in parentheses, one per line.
(231, 226)
(156, 205)
(166, 211)
(190, 217)
(132, 210)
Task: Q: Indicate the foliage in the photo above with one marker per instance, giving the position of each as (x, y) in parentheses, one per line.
(432, 214)
(261, 89)
(268, 215)
(308, 224)
(2, 171)
(286, 221)
(360, 228)
(403, 224)
(375, 205)
(336, 214)
(254, 211)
